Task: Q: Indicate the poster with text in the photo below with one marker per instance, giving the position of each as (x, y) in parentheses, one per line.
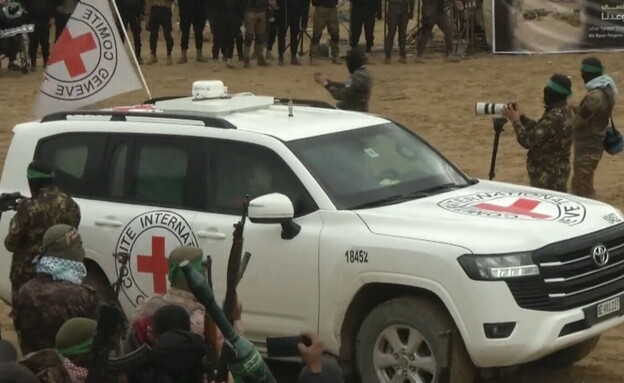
(557, 26)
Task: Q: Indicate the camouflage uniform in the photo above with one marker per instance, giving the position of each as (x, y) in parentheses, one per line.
(195, 309)
(32, 218)
(43, 305)
(325, 15)
(592, 120)
(354, 93)
(48, 366)
(549, 141)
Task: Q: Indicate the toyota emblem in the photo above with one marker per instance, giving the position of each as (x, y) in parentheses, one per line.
(600, 255)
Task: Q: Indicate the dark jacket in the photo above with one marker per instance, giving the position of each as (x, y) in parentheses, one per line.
(39, 9)
(325, 3)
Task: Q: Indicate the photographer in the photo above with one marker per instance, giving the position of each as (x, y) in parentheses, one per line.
(549, 139)
(317, 368)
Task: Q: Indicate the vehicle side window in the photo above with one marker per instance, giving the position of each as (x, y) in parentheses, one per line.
(243, 169)
(161, 174)
(76, 159)
(117, 184)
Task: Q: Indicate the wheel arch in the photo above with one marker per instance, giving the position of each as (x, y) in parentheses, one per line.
(369, 296)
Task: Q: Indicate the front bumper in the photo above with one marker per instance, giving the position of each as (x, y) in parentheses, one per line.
(536, 334)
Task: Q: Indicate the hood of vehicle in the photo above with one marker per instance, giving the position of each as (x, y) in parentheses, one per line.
(493, 217)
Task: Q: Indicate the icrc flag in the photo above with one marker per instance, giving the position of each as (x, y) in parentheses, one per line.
(87, 64)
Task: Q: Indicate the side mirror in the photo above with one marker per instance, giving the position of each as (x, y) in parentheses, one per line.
(274, 208)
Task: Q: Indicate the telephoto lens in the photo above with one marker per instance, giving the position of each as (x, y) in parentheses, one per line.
(484, 108)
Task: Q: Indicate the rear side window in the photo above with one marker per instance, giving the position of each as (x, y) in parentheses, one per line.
(76, 158)
(154, 170)
(161, 173)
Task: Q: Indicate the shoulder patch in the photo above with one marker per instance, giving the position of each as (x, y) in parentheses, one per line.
(348, 82)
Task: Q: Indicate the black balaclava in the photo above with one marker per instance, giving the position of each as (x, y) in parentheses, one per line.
(591, 68)
(39, 175)
(355, 59)
(558, 88)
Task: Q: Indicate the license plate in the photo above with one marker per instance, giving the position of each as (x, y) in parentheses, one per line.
(608, 307)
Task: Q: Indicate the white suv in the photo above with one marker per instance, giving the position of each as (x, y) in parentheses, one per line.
(378, 243)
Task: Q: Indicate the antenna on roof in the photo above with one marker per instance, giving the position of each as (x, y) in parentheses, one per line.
(290, 107)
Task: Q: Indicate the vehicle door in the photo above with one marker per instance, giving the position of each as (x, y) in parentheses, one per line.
(279, 291)
(142, 203)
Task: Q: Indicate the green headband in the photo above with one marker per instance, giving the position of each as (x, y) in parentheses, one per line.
(78, 349)
(558, 88)
(32, 174)
(175, 271)
(588, 68)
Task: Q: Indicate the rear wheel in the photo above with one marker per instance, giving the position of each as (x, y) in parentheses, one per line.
(568, 356)
(407, 340)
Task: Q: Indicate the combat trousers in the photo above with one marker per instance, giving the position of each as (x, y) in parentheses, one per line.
(41, 36)
(362, 16)
(428, 22)
(585, 166)
(272, 29)
(196, 17)
(255, 25)
(287, 18)
(160, 17)
(229, 29)
(325, 17)
(397, 18)
(60, 20)
(132, 18)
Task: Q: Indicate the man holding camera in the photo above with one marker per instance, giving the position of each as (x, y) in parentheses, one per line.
(593, 118)
(548, 140)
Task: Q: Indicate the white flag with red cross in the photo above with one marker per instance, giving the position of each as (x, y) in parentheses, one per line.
(87, 64)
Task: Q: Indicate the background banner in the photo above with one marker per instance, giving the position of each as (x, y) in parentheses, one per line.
(555, 26)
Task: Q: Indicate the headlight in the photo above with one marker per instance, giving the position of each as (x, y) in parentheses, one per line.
(498, 267)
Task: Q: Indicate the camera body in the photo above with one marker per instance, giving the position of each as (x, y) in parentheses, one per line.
(285, 347)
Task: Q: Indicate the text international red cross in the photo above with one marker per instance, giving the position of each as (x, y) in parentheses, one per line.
(155, 264)
(68, 50)
(522, 206)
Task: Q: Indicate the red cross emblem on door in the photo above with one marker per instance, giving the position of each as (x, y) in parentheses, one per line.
(155, 264)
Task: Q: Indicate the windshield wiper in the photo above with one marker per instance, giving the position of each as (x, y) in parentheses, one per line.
(435, 190)
(384, 201)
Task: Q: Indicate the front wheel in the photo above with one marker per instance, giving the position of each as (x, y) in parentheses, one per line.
(408, 340)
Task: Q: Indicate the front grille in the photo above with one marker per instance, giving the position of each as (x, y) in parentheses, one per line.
(569, 277)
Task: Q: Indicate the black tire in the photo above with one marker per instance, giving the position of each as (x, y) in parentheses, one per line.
(411, 317)
(568, 356)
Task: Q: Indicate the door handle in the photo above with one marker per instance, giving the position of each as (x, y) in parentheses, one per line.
(211, 234)
(108, 222)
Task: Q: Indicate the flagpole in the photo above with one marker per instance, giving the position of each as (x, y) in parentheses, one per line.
(123, 28)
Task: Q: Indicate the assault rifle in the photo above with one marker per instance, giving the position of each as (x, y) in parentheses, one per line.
(235, 270)
(210, 330)
(123, 260)
(247, 364)
(109, 329)
(9, 201)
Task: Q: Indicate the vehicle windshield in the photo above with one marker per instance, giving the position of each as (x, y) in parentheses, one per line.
(376, 165)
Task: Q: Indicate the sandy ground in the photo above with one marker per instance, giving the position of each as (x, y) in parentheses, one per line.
(435, 99)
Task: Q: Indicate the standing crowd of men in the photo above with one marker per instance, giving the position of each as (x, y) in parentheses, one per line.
(56, 312)
(263, 22)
